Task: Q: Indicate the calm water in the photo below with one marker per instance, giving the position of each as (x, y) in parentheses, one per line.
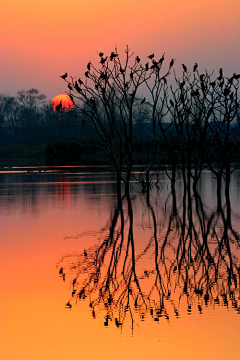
(82, 277)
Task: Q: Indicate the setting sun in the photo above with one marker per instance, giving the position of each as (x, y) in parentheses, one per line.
(62, 102)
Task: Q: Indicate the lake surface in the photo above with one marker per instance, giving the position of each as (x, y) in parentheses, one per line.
(82, 277)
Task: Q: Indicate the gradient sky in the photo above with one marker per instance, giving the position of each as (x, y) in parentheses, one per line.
(41, 40)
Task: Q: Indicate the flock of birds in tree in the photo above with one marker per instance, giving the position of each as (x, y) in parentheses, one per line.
(155, 66)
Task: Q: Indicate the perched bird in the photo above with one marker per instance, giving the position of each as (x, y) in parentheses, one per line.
(195, 67)
(151, 56)
(171, 63)
(236, 76)
(146, 67)
(161, 60)
(86, 73)
(64, 76)
(201, 77)
(89, 66)
(213, 84)
(112, 56)
(220, 74)
(80, 82)
(143, 100)
(101, 54)
(184, 68)
(69, 86)
(137, 59)
(182, 84)
(60, 271)
(59, 107)
(85, 253)
(102, 61)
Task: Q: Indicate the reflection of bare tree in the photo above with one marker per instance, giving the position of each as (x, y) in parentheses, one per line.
(189, 258)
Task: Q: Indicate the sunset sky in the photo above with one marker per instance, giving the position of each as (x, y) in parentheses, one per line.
(41, 40)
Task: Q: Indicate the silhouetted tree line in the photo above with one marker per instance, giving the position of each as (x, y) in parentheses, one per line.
(188, 126)
(27, 119)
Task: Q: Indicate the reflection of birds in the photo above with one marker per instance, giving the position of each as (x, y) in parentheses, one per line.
(68, 304)
(117, 322)
(64, 76)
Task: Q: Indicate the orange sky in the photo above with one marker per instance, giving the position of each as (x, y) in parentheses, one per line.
(42, 40)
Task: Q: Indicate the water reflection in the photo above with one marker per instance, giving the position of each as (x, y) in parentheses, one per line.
(188, 259)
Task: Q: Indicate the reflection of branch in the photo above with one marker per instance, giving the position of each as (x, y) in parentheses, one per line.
(194, 258)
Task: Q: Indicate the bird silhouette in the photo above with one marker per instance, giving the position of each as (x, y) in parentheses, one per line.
(143, 100)
(101, 54)
(112, 56)
(103, 60)
(89, 66)
(182, 85)
(146, 67)
(60, 271)
(220, 74)
(59, 106)
(184, 68)
(161, 60)
(171, 63)
(137, 59)
(151, 56)
(86, 73)
(80, 82)
(69, 86)
(195, 67)
(236, 76)
(85, 253)
(64, 76)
